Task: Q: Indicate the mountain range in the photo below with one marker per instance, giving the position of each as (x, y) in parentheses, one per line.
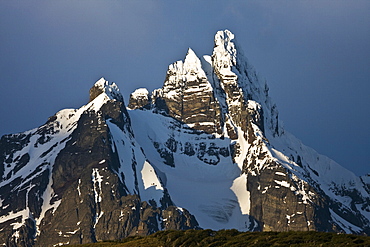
(205, 151)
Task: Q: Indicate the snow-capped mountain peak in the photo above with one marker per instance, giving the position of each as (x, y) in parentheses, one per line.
(188, 70)
(192, 62)
(110, 89)
(224, 52)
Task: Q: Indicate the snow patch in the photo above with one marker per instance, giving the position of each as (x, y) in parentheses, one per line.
(282, 183)
(239, 187)
(97, 180)
(149, 177)
(61, 243)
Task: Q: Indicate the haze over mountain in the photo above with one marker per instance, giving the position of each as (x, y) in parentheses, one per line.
(206, 150)
(314, 54)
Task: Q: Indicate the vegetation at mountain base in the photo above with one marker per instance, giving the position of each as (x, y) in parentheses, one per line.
(174, 238)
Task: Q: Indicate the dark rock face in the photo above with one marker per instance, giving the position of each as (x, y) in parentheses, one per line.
(175, 218)
(79, 169)
(267, 199)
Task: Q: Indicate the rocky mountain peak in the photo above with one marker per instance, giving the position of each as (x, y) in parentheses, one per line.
(224, 52)
(181, 72)
(188, 95)
(139, 98)
(240, 82)
(110, 89)
(223, 37)
(192, 64)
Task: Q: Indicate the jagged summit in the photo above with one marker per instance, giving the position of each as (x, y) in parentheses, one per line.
(187, 70)
(223, 37)
(192, 63)
(110, 89)
(235, 71)
(139, 98)
(224, 52)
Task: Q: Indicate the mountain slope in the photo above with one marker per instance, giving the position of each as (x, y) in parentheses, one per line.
(206, 150)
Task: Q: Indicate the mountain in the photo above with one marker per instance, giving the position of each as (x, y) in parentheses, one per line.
(207, 150)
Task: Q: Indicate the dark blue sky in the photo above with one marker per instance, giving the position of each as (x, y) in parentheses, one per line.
(315, 56)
